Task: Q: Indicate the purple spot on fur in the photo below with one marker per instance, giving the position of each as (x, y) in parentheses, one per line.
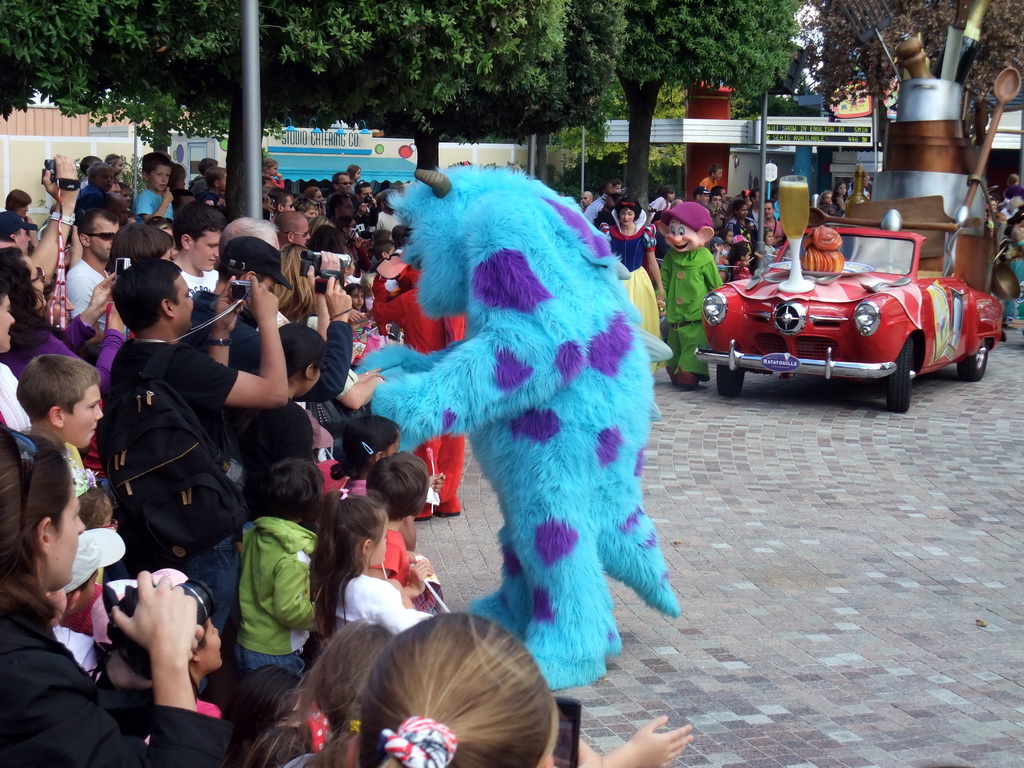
(612, 636)
(630, 522)
(638, 471)
(512, 565)
(542, 606)
(509, 370)
(665, 577)
(539, 425)
(448, 421)
(506, 281)
(569, 360)
(609, 347)
(583, 228)
(554, 540)
(651, 541)
(608, 443)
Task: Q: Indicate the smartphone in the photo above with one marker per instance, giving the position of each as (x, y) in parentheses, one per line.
(567, 746)
(241, 289)
(121, 265)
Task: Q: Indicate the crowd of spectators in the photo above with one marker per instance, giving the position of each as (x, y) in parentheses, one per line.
(202, 525)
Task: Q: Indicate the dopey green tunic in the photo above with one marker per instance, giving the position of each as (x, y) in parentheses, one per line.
(687, 277)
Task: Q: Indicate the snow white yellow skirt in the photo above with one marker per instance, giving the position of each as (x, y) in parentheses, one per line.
(641, 294)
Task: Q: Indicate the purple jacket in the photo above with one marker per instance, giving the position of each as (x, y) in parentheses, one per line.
(75, 335)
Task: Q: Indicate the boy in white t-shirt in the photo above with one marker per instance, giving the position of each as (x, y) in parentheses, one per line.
(197, 232)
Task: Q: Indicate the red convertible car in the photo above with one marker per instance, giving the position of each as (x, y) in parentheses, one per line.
(879, 319)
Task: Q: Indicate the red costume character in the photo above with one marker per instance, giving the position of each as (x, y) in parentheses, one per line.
(444, 454)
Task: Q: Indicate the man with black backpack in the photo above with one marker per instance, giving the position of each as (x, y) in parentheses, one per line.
(169, 453)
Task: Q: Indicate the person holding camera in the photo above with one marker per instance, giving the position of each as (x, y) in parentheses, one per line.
(153, 300)
(49, 710)
(243, 345)
(366, 212)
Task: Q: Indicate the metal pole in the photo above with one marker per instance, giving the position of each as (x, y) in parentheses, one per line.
(531, 156)
(1020, 159)
(252, 131)
(583, 161)
(764, 161)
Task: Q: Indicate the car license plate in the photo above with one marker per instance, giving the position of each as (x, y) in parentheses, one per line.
(780, 362)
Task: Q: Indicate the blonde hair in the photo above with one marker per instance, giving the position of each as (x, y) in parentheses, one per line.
(336, 682)
(300, 301)
(54, 380)
(317, 222)
(472, 676)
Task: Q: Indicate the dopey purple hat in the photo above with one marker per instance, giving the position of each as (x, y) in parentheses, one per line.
(693, 215)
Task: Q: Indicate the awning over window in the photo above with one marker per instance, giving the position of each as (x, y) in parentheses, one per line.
(307, 166)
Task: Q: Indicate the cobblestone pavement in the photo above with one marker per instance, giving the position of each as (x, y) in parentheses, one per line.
(850, 578)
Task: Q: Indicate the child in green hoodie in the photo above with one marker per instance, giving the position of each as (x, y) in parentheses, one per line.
(273, 592)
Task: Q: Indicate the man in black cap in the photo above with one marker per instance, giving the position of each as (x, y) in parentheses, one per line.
(247, 256)
(14, 232)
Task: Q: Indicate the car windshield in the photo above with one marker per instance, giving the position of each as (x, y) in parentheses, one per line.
(865, 253)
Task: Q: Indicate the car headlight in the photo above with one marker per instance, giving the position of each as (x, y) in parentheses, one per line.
(866, 317)
(714, 308)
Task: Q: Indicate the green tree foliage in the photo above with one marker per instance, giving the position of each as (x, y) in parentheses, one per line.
(175, 64)
(839, 60)
(555, 75)
(681, 42)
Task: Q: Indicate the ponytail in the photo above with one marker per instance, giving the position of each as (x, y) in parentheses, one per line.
(344, 525)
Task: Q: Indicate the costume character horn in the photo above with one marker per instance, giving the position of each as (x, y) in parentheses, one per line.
(436, 180)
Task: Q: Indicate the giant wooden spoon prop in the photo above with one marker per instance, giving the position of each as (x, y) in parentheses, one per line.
(1006, 88)
(818, 217)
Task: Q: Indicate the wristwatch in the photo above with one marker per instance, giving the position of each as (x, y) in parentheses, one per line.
(220, 342)
(63, 218)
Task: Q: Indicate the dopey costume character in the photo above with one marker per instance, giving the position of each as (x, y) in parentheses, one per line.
(688, 273)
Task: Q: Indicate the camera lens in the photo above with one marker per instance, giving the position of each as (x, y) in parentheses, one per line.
(205, 604)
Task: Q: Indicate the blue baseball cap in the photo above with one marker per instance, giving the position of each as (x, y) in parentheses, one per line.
(10, 222)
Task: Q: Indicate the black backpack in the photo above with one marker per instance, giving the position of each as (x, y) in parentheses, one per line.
(171, 480)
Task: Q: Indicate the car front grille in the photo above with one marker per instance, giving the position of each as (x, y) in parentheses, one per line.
(815, 347)
(767, 343)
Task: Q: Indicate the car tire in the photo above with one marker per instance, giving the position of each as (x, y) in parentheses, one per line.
(897, 392)
(973, 367)
(729, 382)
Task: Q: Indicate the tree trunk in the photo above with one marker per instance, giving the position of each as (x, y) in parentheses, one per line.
(427, 150)
(541, 161)
(235, 161)
(162, 139)
(642, 98)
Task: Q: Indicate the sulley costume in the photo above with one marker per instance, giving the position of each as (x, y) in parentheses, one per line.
(553, 385)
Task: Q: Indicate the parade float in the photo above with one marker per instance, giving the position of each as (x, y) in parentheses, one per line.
(904, 285)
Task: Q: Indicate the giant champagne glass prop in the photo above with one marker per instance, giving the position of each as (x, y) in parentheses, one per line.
(795, 206)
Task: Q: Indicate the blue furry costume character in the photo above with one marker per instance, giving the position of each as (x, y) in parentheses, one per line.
(553, 386)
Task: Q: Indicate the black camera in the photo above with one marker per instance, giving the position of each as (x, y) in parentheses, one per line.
(241, 290)
(135, 654)
(368, 199)
(315, 260)
(51, 166)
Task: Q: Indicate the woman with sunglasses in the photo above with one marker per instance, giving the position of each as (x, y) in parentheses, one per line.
(33, 335)
(634, 244)
(49, 710)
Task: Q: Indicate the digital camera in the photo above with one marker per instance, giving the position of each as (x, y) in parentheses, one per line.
(135, 654)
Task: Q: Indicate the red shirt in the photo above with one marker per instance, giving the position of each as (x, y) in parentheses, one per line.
(396, 558)
(421, 333)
